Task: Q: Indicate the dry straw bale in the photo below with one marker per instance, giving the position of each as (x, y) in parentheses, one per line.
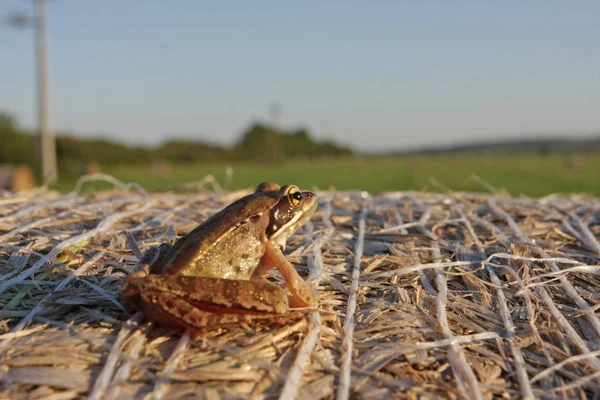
(422, 295)
(92, 167)
(16, 178)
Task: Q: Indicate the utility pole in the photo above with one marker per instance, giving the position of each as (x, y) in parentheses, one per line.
(47, 140)
(275, 111)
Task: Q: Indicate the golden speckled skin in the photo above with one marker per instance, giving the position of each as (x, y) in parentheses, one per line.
(211, 276)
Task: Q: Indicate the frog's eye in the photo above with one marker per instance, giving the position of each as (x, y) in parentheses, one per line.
(295, 196)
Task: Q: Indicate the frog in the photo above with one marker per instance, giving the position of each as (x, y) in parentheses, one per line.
(214, 275)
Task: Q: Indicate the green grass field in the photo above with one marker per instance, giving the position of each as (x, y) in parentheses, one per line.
(531, 175)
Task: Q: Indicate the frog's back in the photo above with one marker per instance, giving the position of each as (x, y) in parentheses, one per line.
(217, 246)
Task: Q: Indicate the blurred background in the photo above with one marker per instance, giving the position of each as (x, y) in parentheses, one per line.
(379, 96)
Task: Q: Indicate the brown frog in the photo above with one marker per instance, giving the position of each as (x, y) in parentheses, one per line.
(212, 276)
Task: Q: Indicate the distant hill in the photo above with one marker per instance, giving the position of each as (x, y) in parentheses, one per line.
(531, 145)
(184, 151)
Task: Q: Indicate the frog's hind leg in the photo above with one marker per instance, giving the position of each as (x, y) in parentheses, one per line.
(180, 312)
(220, 296)
(302, 295)
(177, 312)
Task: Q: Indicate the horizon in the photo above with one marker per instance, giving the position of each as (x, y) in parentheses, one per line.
(401, 76)
(500, 139)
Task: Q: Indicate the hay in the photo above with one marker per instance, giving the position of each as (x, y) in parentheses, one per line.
(92, 167)
(16, 178)
(422, 295)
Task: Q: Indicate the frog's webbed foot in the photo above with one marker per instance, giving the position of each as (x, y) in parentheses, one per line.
(302, 294)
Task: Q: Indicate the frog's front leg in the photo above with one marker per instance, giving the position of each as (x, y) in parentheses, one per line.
(302, 295)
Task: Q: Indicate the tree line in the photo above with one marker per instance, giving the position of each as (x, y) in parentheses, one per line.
(258, 143)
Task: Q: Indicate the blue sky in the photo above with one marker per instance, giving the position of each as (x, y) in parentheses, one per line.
(375, 75)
